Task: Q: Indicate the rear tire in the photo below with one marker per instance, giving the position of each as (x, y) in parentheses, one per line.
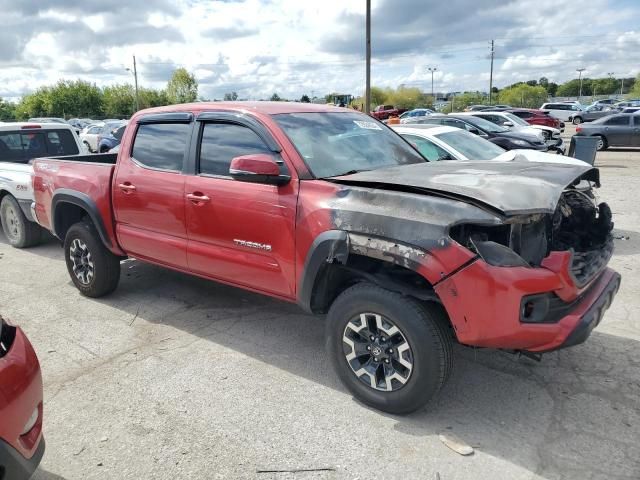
(93, 269)
(20, 232)
(390, 351)
(577, 120)
(602, 143)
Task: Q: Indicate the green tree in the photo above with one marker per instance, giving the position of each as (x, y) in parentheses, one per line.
(544, 83)
(635, 91)
(408, 97)
(305, 98)
(552, 89)
(230, 97)
(119, 100)
(461, 101)
(182, 87)
(66, 98)
(275, 98)
(148, 97)
(7, 111)
(524, 95)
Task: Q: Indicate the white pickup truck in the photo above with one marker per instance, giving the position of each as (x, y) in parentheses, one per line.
(20, 142)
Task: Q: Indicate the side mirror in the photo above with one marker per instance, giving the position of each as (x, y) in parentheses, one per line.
(507, 124)
(475, 131)
(257, 168)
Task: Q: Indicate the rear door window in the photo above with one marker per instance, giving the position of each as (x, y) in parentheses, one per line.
(428, 149)
(618, 120)
(161, 146)
(22, 146)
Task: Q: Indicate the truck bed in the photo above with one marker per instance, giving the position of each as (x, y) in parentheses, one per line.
(84, 177)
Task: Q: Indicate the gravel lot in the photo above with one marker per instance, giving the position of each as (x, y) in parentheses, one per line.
(176, 377)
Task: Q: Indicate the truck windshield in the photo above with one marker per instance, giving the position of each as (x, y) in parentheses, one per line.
(334, 144)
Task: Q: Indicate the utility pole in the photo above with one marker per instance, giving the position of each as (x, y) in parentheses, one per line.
(621, 85)
(432, 70)
(367, 93)
(491, 74)
(580, 70)
(135, 76)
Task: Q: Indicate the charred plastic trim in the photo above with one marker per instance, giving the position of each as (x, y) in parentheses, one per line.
(64, 195)
(385, 250)
(331, 246)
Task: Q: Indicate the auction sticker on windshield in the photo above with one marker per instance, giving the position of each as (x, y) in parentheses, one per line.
(367, 125)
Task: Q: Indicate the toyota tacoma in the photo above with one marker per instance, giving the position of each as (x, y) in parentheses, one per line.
(331, 209)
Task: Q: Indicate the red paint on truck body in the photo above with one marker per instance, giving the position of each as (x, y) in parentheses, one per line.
(195, 224)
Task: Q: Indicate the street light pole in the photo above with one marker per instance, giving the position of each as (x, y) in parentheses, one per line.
(367, 94)
(432, 70)
(580, 70)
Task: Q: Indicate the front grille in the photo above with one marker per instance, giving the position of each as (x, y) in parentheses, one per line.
(586, 265)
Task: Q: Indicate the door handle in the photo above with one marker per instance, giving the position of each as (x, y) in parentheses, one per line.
(197, 197)
(126, 187)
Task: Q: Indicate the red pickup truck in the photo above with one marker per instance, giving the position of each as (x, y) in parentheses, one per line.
(331, 209)
(383, 112)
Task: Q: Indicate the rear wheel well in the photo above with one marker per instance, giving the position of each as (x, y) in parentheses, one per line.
(66, 215)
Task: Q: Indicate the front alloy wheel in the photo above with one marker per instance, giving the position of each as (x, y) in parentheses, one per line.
(377, 352)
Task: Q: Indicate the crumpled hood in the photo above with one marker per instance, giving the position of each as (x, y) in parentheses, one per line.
(515, 187)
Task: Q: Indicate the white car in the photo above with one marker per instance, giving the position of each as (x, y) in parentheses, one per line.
(21, 142)
(562, 110)
(407, 117)
(437, 143)
(551, 136)
(89, 136)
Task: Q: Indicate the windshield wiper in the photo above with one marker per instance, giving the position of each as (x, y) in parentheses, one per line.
(350, 172)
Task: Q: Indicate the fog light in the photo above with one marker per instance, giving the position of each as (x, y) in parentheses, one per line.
(534, 309)
(33, 419)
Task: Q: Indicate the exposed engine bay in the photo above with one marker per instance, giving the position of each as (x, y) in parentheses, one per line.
(578, 224)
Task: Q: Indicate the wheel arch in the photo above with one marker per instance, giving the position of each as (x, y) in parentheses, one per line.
(69, 207)
(338, 260)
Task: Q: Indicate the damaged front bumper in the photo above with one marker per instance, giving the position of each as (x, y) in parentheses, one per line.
(486, 305)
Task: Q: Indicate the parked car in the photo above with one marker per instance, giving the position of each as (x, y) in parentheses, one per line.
(507, 139)
(562, 111)
(538, 117)
(551, 136)
(475, 108)
(108, 140)
(19, 143)
(593, 112)
(339, 214)
(630, 110)
(21, 441)
(89, 136)
(628, 103)
(416, 112)
(606, 101)
(383, 112)
(436, 143)
(620, 130)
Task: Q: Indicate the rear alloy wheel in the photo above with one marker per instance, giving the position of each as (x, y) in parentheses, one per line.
(602, 143)
(577, 120)
(392, 352)
(20, 232)
(93, 269)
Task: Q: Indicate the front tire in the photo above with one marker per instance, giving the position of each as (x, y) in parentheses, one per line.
(577, 120)
(390, 351)
(602, 143)
(93, 269)
(20, 232)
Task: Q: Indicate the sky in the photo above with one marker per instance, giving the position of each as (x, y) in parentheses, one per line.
(295, 47)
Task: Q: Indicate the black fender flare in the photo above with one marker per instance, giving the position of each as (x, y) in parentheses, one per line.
(84, 201)
(334, 246)
(328, 247)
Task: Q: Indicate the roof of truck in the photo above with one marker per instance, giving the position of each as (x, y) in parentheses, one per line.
(267, 108)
